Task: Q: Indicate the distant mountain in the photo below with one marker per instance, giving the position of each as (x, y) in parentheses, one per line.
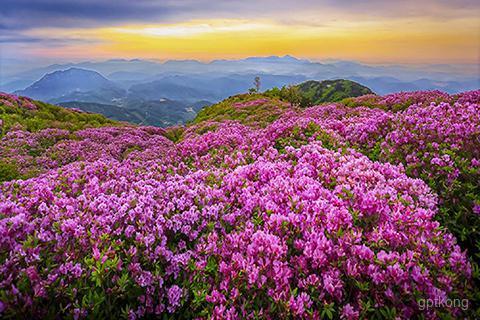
(274, 59)
(161, 113)
(128, 73)
(386, 85)
(161, 89)
(110, 111)
(212, 87)
(71, 83)
(331, 90)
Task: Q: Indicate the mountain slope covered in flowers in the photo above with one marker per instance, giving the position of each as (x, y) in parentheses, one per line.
(259, 209)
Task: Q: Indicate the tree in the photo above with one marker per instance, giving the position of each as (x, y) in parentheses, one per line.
(257, 83)
(291, 94)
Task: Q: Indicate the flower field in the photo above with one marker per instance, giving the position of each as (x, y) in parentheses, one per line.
(259, 209)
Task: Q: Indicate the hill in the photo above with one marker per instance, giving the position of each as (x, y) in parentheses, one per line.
(22, 113)
(251, 109)
(262, 108)
(259, 208)
(309, 93)
(318, 92)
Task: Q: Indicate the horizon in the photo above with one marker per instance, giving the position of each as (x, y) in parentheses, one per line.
(66, 64)
(383, 78)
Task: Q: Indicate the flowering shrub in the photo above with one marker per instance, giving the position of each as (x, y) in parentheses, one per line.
(148, 234)
(317, 231)
(252, 218)
(11, 101)
(400, 101)
(439, 143)
(34, 153)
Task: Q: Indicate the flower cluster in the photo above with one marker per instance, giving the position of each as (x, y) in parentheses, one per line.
(11, 100)
(36, 152)
(252, 103)
(401, 100)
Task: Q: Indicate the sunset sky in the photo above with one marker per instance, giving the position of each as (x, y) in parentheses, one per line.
(426, 31)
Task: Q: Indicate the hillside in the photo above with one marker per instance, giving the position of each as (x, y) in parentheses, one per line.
(260, 208)
(22, 113)
(21, 117)
(248, 109)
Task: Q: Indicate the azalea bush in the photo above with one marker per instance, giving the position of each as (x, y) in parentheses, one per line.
(334, 211)
(439, 144)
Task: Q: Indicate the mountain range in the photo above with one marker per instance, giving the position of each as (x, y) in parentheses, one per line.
(129, 72)
(139, 90)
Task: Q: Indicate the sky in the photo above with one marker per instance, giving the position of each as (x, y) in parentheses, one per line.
(377, 32)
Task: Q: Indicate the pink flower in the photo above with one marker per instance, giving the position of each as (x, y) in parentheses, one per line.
(348, 312)
(174, 297)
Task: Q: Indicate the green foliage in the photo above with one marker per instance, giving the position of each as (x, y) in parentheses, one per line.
(299, 136)
(174, 134)
(8, 171)
(291, 94)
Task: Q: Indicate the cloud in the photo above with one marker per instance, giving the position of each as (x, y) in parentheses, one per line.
(16, 38)
(27, 14)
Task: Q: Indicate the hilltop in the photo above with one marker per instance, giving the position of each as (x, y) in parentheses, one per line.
(359, 208)
(265, 107)
(318, 92)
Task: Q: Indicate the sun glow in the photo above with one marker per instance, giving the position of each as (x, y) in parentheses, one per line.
(401, 40)
(192, 29)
